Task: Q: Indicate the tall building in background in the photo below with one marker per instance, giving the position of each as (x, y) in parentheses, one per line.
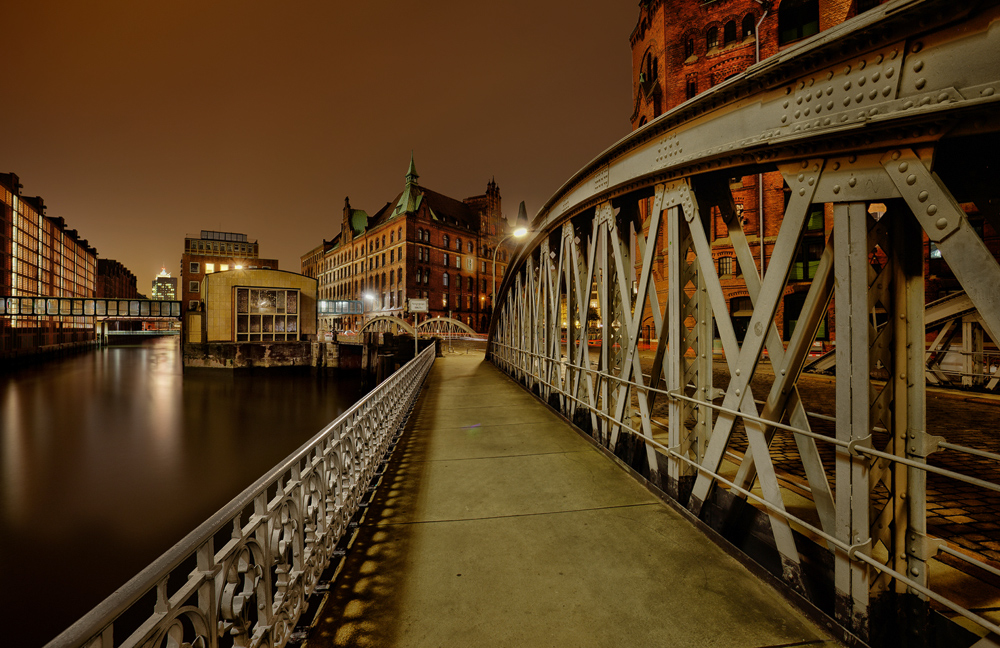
(39, 256)
(420, 245)
(685, 47)
(215, 252)
(164, 286)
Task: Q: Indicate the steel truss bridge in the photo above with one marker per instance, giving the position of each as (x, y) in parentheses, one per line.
(898, 106)
(440, 326)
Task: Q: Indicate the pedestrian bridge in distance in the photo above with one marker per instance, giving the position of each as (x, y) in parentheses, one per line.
(876, 515)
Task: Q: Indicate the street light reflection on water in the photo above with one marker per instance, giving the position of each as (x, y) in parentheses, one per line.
(112, 456)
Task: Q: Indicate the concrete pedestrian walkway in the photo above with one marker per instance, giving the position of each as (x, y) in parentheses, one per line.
(496, 524)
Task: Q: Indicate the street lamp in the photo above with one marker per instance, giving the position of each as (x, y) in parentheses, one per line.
(519, 232)
(365, 296)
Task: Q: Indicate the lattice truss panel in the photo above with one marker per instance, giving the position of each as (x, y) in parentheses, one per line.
(614, 311)
(865, 485)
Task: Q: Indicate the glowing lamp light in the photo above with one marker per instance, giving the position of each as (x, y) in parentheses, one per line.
(520, 232)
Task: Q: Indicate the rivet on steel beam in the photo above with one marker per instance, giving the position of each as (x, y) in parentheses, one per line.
(829, 75)
(987, 92)
(804, 164)
(921, 82)
(737, 372)
(941, 223)
(798, 101)
(852, 182)
(886, 91)
(807, 112)
(836, 189)
(911, 179)
(861, 81)
(943, 97)
(847, 85)
(812, 181)
(784, 119)
(922, 196)
(873, 93)
(859, 97)
(916, 47)
(737, 392)
(802, 84)
(802, 192)
(784, 104)
(843, 118)
(907, 105)
(847, 69)
(827, 121)
(931, 210)
(829, 105)
(895, 156)
(918, 65)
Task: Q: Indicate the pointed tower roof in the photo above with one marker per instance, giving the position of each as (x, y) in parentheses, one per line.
(409, 200)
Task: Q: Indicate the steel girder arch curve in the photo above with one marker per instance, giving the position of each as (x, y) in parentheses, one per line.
(853, 117)
(386, 324)
(445, 325)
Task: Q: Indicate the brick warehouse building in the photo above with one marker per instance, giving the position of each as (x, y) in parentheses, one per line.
(420, 245)
(680, 49)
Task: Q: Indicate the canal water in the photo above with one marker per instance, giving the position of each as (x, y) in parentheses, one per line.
(109, 457)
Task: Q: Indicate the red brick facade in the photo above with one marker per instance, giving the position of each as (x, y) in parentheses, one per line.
(683, 48)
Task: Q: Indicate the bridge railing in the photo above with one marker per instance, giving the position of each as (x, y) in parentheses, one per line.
(869, 135)
(242, 578)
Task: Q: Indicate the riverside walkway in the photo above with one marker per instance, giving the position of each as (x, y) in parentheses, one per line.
(496, 524)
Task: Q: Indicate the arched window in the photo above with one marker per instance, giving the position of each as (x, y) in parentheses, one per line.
(712, 38)
(391, 234)
(797, 19)
(383, 240)
(688, 48)
(458, 244)
(471, 248)
(400, 234)
(747, 27)
(729, 32)
(447, 241)
(444, 279)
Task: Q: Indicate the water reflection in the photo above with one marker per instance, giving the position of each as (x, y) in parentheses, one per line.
(111, 457)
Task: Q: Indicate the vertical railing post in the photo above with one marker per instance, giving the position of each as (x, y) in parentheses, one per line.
(852, 393)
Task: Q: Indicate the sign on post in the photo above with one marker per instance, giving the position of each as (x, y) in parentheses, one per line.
(419, 305)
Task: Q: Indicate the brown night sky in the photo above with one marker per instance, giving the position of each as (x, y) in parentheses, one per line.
(142, 121)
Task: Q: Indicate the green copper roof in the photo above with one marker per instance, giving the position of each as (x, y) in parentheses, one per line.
(410, 199)
(358, 221)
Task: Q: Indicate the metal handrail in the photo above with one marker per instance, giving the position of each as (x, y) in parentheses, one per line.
(398, 391)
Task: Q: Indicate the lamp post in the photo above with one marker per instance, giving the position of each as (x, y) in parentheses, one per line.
(365, 297)
(519, 232)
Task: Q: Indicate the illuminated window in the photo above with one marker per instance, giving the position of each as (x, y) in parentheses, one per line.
(266, 314)
(209, 268)
(223, 267)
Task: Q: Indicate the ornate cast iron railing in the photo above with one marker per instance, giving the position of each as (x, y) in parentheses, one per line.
(242, 578)
(891, 109)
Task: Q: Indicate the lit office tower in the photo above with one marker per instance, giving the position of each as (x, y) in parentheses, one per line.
(164, 286)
